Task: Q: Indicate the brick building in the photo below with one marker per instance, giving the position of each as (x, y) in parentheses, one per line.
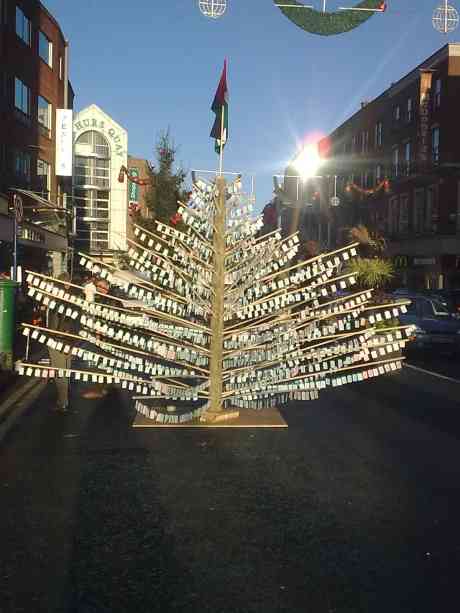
(33, 84)
(408, 134)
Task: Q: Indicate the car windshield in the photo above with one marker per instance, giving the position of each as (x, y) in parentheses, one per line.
(439, 308)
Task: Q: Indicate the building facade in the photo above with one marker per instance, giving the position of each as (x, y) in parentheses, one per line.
(409, 136)
(33, 85)
(100, 200)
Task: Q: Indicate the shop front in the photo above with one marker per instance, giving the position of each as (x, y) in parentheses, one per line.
(38, 248)
(417, 272)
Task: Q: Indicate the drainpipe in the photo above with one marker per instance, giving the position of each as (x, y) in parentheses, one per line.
(65, 262)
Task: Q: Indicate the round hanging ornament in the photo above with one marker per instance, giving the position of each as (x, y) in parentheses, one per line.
(445, 18)
(213, 8)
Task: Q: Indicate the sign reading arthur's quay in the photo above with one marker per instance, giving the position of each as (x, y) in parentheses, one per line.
(100, 125)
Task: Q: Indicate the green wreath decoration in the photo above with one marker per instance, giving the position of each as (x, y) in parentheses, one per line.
(328, 24)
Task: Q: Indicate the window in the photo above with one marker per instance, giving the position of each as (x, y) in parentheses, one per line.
(44, 175)
(22, 165)
(432, 209)
(367, 179)
(395, 156)
(419, 211)
(92, 172)
(45, 49)
(93, 144)
(439, 309)
(44, 112)
(23, 26)
(92, 219)
(397, 113)
(378, 134)
(407, 154)
(91, 195)
(92, 205)
(21, 96)
(409, 109)
(61, 68)
(3, 84)
(393, 215)
(437, 93)
(353, 143)
(378, 173)
(435, 144)
(403, 225)
(364, 141)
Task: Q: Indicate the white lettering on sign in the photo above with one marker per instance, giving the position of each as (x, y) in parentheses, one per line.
(64, 142)
(424, 126)
(100, 126)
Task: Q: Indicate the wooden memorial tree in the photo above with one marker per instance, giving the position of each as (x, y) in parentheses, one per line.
(215, 319)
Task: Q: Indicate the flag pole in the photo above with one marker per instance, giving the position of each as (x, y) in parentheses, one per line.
(221, 151)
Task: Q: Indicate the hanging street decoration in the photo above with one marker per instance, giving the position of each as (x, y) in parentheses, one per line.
(445, 18)
(212, 8)
(215, 320)
(131, 178)
(385, 185)
(326, 23)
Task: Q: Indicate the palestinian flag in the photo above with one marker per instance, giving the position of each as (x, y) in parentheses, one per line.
(220, 105)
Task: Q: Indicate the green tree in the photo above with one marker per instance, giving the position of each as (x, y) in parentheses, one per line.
(166, 184)
(373, 270)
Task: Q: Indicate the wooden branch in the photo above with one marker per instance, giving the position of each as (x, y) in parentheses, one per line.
(308, 262)
(143, 283)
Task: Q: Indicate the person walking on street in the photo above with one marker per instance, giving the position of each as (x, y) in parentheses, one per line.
(99, 390)
(59, 360)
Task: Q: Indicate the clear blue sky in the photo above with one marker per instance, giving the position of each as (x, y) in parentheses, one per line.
(154, 64)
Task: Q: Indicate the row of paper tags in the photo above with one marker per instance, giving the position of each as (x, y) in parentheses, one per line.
(163, 417)
(153, 388)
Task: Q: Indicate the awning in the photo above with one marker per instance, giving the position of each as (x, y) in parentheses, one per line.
(32, 235)
(43, 212)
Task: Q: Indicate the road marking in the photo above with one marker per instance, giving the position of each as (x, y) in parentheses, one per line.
(433, 374)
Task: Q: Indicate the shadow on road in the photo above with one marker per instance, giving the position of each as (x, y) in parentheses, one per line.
(352, 509)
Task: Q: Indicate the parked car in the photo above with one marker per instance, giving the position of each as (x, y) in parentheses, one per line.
(435, 326)
(450, 298)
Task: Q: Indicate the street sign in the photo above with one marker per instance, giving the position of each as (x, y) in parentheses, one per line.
(18, 208)
(335, 201)
(133, 188)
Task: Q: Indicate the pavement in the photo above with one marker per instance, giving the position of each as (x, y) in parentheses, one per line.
(354, 508)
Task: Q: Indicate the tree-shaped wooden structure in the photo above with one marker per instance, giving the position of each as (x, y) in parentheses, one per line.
(213, 317)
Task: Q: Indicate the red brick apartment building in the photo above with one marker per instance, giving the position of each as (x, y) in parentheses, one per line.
(409, 134)
(33, 84)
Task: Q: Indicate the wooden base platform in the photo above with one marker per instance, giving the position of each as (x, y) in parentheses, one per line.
(247, 418)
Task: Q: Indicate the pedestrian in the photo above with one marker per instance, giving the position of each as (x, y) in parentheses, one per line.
(101, 286)
(58, 360)
(90, 289)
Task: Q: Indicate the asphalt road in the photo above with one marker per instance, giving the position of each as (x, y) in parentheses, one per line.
(436, 361)
(354, 508)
